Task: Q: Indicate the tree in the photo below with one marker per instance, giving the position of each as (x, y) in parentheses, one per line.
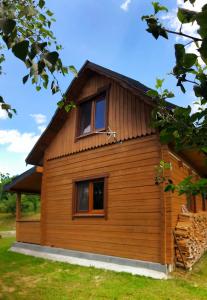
(29, 203)
(4, 179)
(25, 30)
(179, 125)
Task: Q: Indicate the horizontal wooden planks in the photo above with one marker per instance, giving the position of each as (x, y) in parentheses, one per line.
(28, 232)
(133, 209)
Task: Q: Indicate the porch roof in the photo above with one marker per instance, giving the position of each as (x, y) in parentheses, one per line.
(28, 182)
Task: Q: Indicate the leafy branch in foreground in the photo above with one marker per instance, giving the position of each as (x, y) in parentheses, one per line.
(190, 186)
(25, 29)
(177, 126)
(180, 126)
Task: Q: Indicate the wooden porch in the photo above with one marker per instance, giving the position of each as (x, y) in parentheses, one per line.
(27, 231)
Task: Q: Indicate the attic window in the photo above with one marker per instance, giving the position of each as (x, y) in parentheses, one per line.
(92, 115)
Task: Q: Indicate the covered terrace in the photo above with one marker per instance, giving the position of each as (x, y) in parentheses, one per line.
(29, 182)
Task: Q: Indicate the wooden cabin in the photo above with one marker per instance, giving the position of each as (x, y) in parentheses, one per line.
(94, 168)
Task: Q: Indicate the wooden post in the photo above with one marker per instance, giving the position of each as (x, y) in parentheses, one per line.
(18, 207)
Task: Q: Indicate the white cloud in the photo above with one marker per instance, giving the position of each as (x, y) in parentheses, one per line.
(171, 21)
(197, 107)
(16, 141)
(42, 128)
(39, 118)
(125, 5)
(3, 114)
(13, 164)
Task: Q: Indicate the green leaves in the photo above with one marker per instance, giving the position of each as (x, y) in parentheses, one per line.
(159, 83)
(204, 149)
(186, 16)
(201, 20)
(184, 63)
(166, 136)
(7, 107)
(73, 70)
(20, 49)
(179, 53)
(41, 3)
(156, 30)
(25, 78)
(189, 60)
(169, 188)
(153, 93)
(203, 50)
(7, 25)
(158, 7)
(179, 126)
(25, 29)
(52, 57)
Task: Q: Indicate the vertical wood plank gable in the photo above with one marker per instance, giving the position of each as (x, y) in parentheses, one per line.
(128, 116)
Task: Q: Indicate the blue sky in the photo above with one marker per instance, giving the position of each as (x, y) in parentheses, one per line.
(107, 32)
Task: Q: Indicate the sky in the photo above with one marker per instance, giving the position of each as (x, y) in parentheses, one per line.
(106, 32)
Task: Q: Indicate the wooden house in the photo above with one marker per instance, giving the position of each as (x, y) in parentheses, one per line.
(94, 168)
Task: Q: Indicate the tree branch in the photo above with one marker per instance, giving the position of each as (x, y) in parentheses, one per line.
(183, 34)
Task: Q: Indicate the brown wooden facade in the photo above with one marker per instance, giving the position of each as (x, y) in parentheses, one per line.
(139, 217)
(127, 115)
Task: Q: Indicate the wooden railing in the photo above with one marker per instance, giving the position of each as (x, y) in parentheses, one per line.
(28, 231)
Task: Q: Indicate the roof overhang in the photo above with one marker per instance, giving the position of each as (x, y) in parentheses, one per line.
(196, 159)
(28, 182)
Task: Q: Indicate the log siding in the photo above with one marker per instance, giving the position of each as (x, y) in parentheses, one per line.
(132, 227)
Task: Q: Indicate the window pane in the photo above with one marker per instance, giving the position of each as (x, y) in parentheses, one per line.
(82, 196)
(85, 117)
(98, 195)
(204, 201)
(100, 113)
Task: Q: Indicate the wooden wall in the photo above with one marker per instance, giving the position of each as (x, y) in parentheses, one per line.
(180, 170)
(128, 115)
(28, 232)
(133, 225)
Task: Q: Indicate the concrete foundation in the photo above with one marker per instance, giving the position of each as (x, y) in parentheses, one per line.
(118, 264)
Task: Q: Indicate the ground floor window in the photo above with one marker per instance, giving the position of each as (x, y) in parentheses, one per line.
(204, 200)
(89, 196)
(191, 203)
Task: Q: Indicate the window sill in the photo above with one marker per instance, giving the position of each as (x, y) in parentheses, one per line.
(89, 134)
(89, 216)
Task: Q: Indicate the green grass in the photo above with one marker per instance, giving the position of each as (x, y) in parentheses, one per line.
(7, 221)
(25, 277)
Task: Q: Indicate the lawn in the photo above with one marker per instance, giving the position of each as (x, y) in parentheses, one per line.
(7, 221)
(25, 277)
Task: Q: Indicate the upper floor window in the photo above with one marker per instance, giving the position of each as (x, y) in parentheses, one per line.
(92, 115)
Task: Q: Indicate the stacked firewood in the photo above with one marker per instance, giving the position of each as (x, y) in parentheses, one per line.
(190, 238)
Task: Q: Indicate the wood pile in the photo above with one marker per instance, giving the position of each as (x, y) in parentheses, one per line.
(190, 238)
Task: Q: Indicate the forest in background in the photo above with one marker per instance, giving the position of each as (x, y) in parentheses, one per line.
(29, 203)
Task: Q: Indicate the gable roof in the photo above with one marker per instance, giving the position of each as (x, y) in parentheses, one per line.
(36, 155)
